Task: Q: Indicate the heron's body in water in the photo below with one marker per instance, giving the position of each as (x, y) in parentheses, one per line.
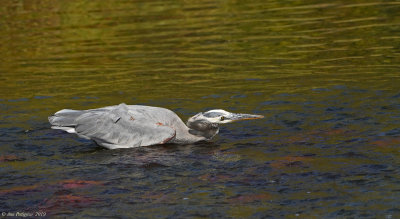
(126, 126)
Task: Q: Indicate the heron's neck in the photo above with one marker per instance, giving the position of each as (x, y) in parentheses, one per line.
(193, 131)
(204, 130)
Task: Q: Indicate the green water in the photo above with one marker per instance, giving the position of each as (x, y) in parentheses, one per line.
(325, 74)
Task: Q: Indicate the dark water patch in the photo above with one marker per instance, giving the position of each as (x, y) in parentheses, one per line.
(12, 130)
(321, 89)
(152, 165)
(389, 107)
(5, 107)
(396, 96)
(275, 102)
(353, 140)
(292, 123)
(214, 96)
(352, 154)
(65, 161)
(113, 191)
(394, 132)
(334, 109)
(330, 176)
(344, 212)
(238, 96)
(18, 100)
(42, 97)
(376, 166)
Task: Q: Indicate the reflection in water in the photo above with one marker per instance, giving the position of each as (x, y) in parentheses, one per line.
(324, 75)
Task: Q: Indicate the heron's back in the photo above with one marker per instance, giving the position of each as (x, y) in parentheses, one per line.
(121, 126)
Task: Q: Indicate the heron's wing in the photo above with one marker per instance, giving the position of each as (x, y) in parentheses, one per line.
(117, 128)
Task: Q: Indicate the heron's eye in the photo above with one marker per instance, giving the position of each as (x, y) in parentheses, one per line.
(222, 118)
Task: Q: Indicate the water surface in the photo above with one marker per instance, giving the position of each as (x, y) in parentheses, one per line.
(324, 75)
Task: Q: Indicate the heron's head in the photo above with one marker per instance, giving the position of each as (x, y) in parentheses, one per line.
(219, 116)
(206, 124)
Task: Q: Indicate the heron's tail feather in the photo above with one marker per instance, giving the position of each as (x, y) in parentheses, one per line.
(64, 118)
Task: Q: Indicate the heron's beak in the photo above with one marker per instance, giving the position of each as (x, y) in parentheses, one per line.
(239, 116)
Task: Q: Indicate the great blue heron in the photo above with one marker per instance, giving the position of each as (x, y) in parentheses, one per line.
(126, 126)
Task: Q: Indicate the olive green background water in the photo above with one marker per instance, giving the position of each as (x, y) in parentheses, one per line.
(326, 75)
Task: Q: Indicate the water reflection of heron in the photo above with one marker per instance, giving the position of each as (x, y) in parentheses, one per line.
(126, 126)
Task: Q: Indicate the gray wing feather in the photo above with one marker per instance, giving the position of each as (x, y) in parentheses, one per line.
(118, 128)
